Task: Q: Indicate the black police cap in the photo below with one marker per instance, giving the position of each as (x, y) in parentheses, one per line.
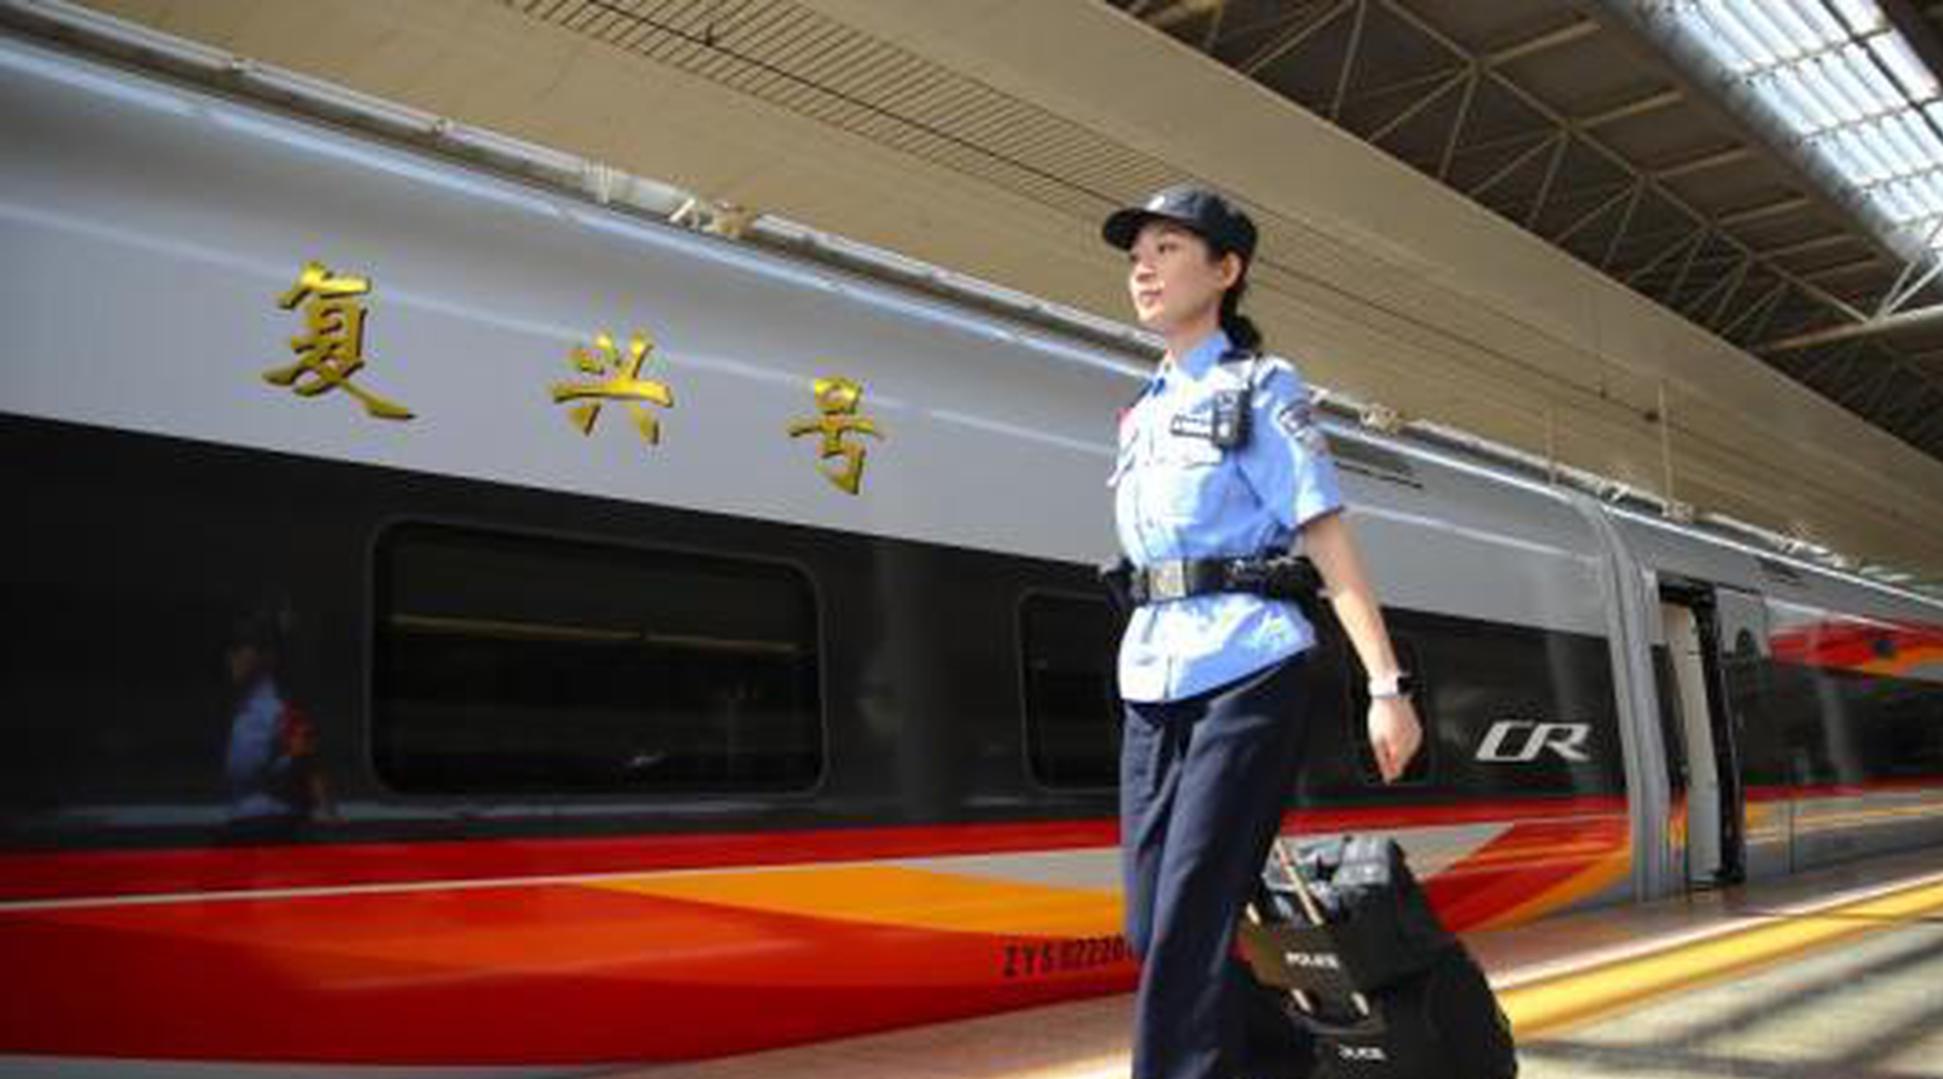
(1200, 209)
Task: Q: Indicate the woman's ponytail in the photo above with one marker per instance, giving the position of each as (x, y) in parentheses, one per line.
(1240, 329)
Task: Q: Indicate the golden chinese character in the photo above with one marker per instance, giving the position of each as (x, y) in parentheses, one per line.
(837, 399)
(623, 383)
(333, 348)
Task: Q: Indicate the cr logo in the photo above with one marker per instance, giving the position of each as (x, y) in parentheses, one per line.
(1514, 740)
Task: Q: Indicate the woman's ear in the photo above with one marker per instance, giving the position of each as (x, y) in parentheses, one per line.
(1231, 269)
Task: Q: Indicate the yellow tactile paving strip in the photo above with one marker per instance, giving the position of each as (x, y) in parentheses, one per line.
(1551, 1004)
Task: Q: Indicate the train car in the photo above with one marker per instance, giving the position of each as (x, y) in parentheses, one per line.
(454, 623)
(1801, 710)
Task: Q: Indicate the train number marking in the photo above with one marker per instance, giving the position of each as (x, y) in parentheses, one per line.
(1565, 739)
(1043, 958)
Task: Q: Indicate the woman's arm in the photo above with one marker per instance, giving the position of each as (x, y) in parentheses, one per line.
(1394, 730)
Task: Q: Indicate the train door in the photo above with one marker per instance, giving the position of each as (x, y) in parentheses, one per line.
(1691, 617)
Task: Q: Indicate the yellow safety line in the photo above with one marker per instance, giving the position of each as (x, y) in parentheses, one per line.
(1546, 1005)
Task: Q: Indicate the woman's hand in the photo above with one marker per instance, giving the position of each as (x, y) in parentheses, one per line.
(1395, 735)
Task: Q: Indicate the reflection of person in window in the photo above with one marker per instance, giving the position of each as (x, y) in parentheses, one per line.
(275, 783)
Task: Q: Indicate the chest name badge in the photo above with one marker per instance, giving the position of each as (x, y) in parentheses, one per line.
(1224, 422)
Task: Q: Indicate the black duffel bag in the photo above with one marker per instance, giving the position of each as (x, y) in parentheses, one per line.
(1366, 970)
(1376, 925)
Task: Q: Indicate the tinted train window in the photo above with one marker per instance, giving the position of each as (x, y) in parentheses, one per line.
(1072, 709)
(1508, 711)
(511, 664)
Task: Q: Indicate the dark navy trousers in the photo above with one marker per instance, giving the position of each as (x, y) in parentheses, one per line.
(1203, 784)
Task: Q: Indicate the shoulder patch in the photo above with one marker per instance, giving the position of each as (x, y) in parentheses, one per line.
(1297, 420)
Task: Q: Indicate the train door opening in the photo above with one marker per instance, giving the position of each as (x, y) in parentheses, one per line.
(1715, 846)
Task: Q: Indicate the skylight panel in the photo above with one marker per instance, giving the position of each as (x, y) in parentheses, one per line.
(1757, 20)
(1746, 52)
(1824, 25)
(1906, 155)
(1895, 55)
(1801, 105)
(1930, 189)
(1842, 80)
(1788, 17)
(1871, 168)
(1918, 131)
(1894, 200)
(1883, 94)
(1862, 16)
(1859, 95)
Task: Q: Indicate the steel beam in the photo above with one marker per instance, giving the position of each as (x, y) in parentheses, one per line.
(1515, 164)
(1538, 43)
(1734, 282)
(1625, 222)
(1686, 266)
(1597, 212)
(1765, 211)
(1812, 244)
(1760, 328)
(1420, 105)
(1637, 107)
(1539, 106)
(1545, 185)
(1905, 320)
(1904, 288)
(1702, 163)
(1290, 38)
(1457, 125)
(1696, 237)
(1844, 266)
(1764, 306)
(1349, 58)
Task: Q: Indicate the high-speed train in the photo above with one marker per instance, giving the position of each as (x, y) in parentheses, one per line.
(451, 623)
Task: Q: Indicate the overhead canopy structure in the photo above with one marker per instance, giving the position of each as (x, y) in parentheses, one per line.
(1770, 169)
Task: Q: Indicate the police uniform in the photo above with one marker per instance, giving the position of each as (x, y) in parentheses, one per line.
(1212, 683)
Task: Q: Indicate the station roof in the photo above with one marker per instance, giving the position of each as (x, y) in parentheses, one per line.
(1771, 170)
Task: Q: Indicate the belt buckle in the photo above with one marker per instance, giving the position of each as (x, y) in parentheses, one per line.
(1167, 580)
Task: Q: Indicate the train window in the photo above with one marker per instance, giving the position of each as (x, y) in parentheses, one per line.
(516, 664)
(1072, 713)
(1508, 711)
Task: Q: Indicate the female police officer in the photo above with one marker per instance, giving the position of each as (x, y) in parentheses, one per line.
(1221, 464)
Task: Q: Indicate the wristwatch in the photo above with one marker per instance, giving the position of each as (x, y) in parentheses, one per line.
(1400, 684)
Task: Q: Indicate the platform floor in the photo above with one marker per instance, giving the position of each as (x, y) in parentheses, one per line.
(1836, 974)
(1871, 1008)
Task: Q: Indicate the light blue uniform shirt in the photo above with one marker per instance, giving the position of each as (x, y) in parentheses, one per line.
(1178, 495)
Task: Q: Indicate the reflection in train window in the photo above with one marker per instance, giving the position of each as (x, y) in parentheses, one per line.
(515, 664)
(1072, 709)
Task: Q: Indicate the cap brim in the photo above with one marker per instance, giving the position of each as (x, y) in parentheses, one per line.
(1122, 226)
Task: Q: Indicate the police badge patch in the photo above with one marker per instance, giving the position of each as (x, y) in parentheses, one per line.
(1297, 419)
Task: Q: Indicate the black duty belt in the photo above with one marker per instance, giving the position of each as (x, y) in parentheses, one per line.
(1289, 577)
